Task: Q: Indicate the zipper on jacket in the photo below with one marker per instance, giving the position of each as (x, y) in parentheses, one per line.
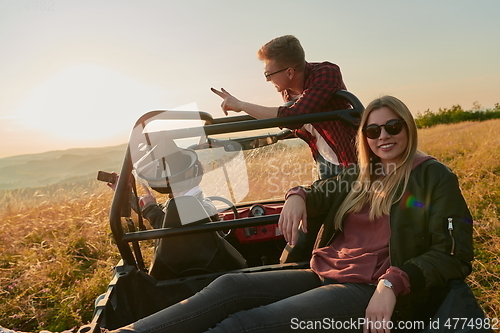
(450, 230)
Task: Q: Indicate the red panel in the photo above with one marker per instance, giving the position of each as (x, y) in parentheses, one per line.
(256, 234)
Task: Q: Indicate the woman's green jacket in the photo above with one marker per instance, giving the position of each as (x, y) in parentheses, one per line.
(431, 226)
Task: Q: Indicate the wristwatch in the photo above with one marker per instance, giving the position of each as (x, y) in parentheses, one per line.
(387, 283)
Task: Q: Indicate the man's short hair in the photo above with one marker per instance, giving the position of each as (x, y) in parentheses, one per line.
(285, 50)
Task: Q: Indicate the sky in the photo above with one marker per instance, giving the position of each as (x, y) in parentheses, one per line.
(78, 73)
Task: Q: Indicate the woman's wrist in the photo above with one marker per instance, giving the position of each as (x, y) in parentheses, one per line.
(397, 280)
(296, 191)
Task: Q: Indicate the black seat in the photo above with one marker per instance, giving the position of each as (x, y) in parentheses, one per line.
(188, 255)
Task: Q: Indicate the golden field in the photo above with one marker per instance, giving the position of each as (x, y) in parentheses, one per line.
(57, 253)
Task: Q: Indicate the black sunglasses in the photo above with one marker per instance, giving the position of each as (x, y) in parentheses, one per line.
(392, 127)
(267, 75)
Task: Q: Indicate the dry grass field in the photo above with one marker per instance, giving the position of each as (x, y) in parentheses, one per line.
(472, 151)
(57, 253)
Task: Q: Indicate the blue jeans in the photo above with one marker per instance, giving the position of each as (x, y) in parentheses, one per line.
(326, 169)
(277, 301)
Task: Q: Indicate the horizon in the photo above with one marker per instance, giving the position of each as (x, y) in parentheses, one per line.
(62, 150)
(126, 143)
(78, 74)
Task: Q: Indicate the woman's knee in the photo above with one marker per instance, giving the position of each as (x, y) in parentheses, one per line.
(228, 283)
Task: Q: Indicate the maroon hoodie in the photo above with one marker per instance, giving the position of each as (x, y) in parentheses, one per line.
(360, 254)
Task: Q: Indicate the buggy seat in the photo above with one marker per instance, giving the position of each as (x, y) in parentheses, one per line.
(193, 254)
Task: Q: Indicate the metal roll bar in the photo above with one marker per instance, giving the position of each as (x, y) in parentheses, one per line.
(120, 206)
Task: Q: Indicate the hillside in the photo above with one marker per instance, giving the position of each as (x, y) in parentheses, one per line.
(62, 166)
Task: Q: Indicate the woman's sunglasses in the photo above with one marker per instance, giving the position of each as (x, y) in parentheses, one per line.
(392, 127)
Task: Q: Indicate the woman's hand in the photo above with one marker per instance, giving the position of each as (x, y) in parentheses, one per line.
(293, 213)
(379, 311)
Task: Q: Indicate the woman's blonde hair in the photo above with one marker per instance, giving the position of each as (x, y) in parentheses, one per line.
(380, 192)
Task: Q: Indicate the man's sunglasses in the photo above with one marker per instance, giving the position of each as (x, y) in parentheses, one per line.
(267, 75)
(392, 127)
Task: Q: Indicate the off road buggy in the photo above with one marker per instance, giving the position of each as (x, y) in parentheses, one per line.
(247, 165)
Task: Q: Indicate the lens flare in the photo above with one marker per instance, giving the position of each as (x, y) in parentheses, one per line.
(409, 200)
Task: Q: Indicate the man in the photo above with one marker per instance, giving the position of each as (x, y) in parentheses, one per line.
(310, 86)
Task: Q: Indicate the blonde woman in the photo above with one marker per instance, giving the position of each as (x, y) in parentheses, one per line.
(393, 231)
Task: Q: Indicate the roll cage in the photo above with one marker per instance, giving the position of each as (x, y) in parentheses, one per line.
(132, 293)
(121, 208)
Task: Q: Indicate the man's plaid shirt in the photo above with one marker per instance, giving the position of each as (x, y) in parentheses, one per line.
(321, 80)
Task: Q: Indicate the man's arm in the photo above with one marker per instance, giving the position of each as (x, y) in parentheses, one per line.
(231, 103)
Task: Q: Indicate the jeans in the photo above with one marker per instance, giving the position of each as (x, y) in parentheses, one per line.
(326, 169)
(276, 301)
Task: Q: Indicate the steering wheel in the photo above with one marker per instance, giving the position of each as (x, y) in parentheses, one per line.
(222, 233)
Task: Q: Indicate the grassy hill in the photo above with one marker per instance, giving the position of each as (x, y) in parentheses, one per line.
(36, 170)
(57, 254)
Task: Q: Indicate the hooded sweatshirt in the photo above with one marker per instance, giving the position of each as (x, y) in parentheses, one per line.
(360, 254)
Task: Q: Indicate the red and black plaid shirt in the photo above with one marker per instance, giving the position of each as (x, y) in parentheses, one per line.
(321, 80)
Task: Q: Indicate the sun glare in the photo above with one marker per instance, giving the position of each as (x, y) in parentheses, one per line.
(88, 103)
